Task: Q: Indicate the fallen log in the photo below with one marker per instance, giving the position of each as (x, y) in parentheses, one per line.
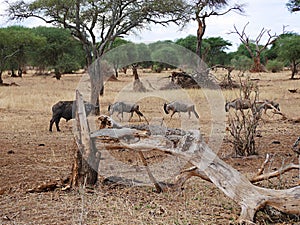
(236, 186)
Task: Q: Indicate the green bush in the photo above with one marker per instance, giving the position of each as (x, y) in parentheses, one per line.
(274, 66)
(241, 62)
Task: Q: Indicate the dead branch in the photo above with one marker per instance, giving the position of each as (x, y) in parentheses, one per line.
(276, 173)
(51, 186)
(262, 167)
(151, 177)
(191, 147)
(194, 171)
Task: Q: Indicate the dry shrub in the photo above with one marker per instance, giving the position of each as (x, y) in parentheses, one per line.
(243, 124)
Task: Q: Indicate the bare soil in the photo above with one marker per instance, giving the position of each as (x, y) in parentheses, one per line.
(30, 155)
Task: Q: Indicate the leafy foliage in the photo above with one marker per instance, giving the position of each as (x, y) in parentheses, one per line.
(289, 49)
(241, 62)
(93, 20)
(188, 42)
(293, 5)
(274, 66)
(61, 52)
(16, 45)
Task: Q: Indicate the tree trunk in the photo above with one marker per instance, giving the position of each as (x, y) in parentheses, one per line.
(257, 64)
(135, 73)
(294, 69)
(95, 76)
(87, 157)
(1, 80)
(200, 33)
(138, 85)
(236, 186)
(20, 72)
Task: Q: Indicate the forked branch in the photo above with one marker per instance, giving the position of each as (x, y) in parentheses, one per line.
(191, 147)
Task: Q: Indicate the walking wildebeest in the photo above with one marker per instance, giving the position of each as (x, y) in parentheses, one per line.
(238, 104)
(241, 104)
(266, 104)
(127, 107)
(64, 109)
(178, 107)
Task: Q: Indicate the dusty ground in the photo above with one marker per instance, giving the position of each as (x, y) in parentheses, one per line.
(31, 155)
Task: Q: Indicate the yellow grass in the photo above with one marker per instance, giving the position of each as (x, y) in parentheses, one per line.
(25, 113)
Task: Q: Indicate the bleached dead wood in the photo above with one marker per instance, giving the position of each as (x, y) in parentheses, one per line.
(236, 186)
(86, 156)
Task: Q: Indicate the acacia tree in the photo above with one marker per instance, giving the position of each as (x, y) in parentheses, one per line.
(200, 10)
(256, 55)
(15, 44)
(61, 52)
(97, 23)
(95, 20)
(289, 49)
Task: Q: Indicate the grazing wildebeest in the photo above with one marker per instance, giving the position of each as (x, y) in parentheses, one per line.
(178, 107)
(265, 105)
(238, 104)
(64, 109)
(127, 107)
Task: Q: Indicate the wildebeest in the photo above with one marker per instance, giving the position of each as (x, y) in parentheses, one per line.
(64, 109)
(121, 107)
(178, 107)
(266, 104)
(241, 104)
(238, 104)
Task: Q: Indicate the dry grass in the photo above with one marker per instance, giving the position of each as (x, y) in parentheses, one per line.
(40, 156)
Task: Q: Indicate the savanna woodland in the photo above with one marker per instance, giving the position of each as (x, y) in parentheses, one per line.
(171, 132)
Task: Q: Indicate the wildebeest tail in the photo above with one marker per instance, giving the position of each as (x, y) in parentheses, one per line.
(109, 106)
(165, 108)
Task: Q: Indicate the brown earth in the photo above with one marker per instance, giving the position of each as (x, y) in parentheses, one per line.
(31, 155)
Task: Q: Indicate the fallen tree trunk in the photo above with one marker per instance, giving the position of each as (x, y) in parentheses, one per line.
(191, 147)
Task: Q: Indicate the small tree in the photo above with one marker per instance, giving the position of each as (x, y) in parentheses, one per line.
(274, 66)
(241, 63)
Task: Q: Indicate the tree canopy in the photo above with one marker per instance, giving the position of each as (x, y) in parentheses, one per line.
(16, 44)
(289, 49)
(98, 23)
(293, 5)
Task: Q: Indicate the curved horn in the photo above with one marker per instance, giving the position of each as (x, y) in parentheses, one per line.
(165, 108)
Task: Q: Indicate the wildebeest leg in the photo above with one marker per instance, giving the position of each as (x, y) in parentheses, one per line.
(51, 124)
(57, 123)
(55, 119)
(189, 112)
(118, 115)
(131, 115)
(173, 114)
(196, 114)
(139, 113)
